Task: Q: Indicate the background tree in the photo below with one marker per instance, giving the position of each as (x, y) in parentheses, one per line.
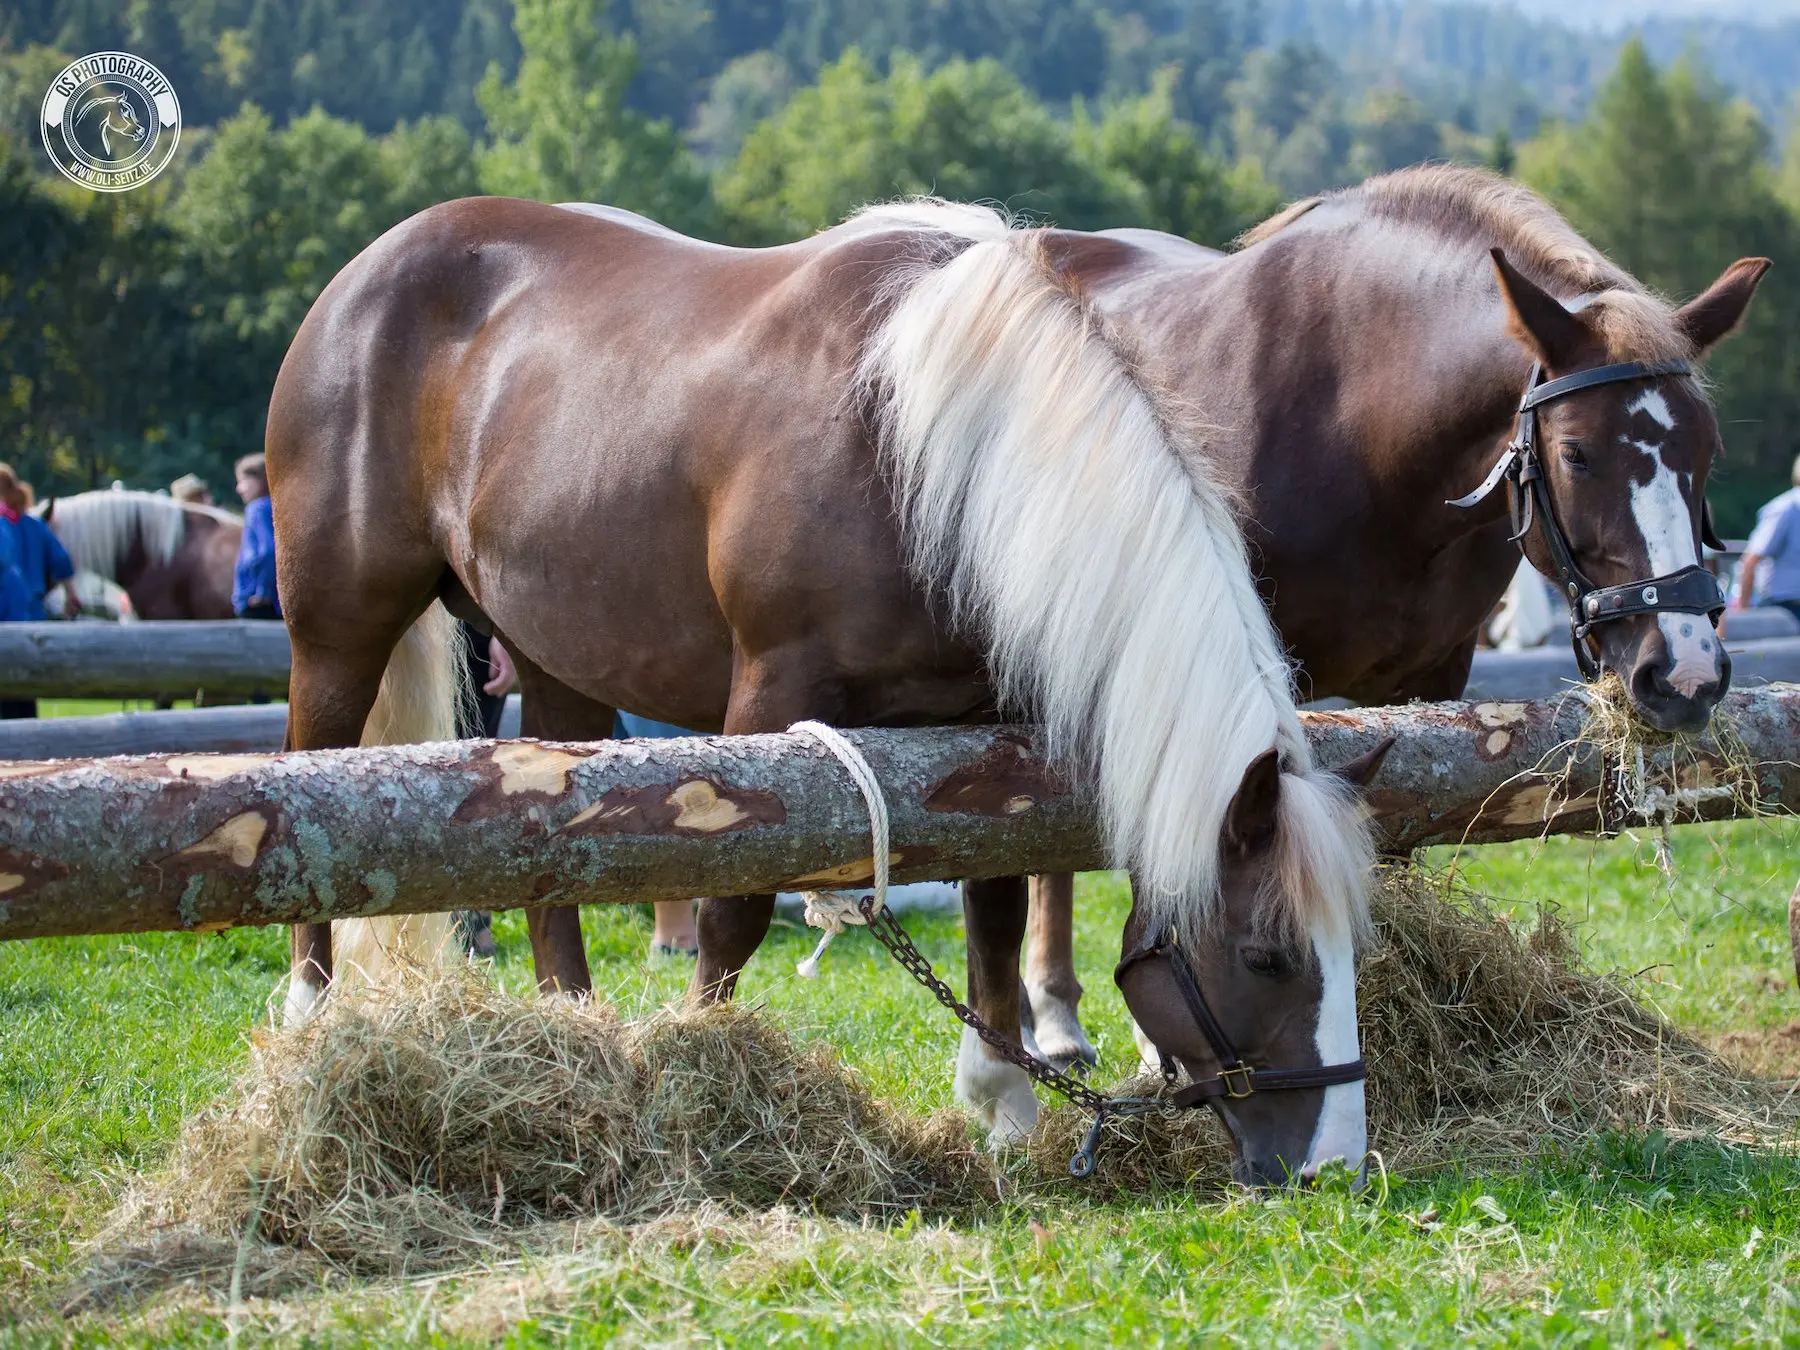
(967, 131)
(1175, 183)
(560, 130)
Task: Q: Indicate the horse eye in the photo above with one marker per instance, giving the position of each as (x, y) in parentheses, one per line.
(1263, 961)
(1574, 454)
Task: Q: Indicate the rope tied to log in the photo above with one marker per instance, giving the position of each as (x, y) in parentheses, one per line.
(833, 911)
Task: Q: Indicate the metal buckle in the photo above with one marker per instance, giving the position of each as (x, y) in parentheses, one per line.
(1243, 1071)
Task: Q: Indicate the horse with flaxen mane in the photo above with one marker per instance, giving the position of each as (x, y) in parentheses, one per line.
(174, 559)
(897, 474)
(1359, 365)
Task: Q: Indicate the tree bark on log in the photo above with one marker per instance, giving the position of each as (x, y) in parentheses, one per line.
(212, 841)
(170, 659)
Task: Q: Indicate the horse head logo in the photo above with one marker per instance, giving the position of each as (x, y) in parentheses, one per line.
(109, 116)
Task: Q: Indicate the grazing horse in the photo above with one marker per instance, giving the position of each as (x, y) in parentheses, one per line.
(1360, 363)
(174, 559)
(898, 474)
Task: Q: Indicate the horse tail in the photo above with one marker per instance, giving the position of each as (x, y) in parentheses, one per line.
(425, 680)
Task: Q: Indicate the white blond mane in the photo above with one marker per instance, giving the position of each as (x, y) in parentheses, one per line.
(1072, 523)
(97, 527)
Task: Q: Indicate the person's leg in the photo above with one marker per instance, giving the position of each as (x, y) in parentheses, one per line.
(260, 611)
(674, 932)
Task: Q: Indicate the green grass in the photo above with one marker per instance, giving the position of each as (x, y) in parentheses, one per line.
(106, 1043)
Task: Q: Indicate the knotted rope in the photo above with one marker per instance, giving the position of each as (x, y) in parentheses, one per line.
(834, 910)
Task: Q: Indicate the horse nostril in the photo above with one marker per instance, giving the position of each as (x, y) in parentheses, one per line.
(1647, 683)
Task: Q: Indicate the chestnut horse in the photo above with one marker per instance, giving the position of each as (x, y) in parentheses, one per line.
(1361, 361)
(174, 559)
(897, 474)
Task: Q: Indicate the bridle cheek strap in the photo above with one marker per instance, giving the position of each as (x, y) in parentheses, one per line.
(1235, 1079)
(1691, 590)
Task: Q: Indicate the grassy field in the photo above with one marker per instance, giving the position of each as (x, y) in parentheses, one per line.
(105, 1044)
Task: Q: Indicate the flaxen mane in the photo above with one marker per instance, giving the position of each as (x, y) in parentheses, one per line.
(1047, 493)
(97, 528)
(1483, 207)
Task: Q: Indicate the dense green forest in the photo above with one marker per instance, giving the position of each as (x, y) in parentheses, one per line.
(139, 333)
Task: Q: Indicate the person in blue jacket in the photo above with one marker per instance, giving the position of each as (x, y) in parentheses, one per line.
(15, 589)
(253, 594)
(43, 561)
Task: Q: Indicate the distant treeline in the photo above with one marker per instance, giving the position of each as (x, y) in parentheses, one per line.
(139, 334)
(1479, 66)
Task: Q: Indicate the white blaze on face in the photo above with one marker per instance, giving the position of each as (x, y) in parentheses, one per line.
(1343, 1129)
(1663, 518)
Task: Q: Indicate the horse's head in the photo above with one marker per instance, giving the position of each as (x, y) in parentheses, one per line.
(1621, 498)
(1276, 996)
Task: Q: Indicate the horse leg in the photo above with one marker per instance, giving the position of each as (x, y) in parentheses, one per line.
(999, 1092)
(330, 692)
(767, 696)
(552, 711)
(1050, 981)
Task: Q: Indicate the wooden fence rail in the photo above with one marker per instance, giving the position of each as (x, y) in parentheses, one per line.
(169, 659)
(203, 842)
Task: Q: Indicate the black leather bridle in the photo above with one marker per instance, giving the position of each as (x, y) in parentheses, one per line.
(1692, 590)
(1236, 1079)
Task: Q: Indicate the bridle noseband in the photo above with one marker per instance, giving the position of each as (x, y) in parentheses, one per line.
(1692, 590)
(1235, 1080)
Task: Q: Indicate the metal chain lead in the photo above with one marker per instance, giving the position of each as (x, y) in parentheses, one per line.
(900, 946)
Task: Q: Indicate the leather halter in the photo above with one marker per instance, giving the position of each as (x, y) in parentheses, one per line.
(1691, 590)
(1235, 1079)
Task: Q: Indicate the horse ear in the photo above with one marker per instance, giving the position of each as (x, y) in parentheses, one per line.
(1537, 318)
(1250, 819)
(1711, 316)
(1361, 771)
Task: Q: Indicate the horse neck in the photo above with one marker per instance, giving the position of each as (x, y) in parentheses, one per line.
(1426, 378)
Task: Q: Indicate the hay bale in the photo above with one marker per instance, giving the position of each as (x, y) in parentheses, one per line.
(1482, 1047)
(433, 1122)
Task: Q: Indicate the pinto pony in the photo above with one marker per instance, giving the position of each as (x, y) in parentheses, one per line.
(173, 558)
(897, 474)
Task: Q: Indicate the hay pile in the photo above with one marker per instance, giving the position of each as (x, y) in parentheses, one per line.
(1482, 1047)
(436, 1122)
(443, 1123)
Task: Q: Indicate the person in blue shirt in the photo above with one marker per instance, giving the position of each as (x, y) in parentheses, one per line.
(15, 586)
(42, 560)
(1775, 540)
(253, 594)
(15, 595)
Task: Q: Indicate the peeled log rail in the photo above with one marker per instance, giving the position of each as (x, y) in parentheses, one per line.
(207, 842)
(169, 659)
(245, 729)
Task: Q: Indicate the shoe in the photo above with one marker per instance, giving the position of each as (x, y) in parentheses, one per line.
(667, 949)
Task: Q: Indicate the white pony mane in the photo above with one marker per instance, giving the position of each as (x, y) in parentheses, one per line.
(97, 527)
(1072, 524)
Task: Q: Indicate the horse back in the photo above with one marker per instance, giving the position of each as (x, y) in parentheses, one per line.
(575, 408)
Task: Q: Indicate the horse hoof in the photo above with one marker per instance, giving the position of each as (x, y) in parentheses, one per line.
(1062, 1043)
